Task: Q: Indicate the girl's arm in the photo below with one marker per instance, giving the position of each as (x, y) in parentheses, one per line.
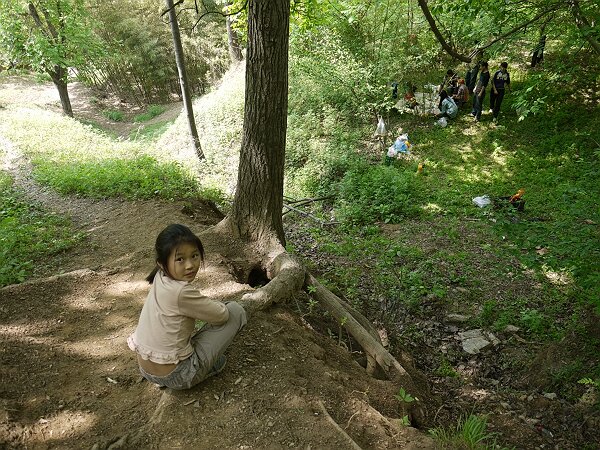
(195, 305)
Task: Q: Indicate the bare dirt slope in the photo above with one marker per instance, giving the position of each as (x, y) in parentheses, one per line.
(68, 379)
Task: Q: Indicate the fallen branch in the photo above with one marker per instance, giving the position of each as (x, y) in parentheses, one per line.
(369, 343)
(306, 201)
(304, 213)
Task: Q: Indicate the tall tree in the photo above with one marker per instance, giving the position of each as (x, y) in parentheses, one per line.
(256, 211)
(183, 79)
(50, 37)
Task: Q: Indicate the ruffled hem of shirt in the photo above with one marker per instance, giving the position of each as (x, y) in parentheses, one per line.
(154, 356)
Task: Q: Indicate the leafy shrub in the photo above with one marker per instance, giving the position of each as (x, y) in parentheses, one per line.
(150, 132)
(470, 433)
(114, 115)
(370, 194)
(152, 112)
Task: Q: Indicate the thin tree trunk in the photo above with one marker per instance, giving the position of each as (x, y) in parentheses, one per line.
(58, 78)
(185, 91)
(256, 211)
(235, 52)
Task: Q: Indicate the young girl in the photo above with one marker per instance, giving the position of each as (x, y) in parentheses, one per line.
(168, 352)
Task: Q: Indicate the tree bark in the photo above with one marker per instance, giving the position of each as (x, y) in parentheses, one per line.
(258, 201)
(183, 79)
(59, 80)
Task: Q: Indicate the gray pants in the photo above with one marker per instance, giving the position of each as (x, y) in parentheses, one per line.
(209, 343)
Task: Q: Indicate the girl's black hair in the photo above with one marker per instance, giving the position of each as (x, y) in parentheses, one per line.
(167, 241)
(443, 94)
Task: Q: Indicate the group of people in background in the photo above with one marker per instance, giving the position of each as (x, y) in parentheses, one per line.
(455, 92)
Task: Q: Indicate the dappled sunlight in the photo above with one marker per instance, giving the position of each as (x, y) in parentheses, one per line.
(477, 394)
(88, 302)
(108, 347)
(467, 174)
(499, 156)
(124, 288)
(53, 429)
(432, 207)
(561, 277)
(228, 289)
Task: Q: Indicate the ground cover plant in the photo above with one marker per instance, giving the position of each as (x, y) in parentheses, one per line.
(28, 235)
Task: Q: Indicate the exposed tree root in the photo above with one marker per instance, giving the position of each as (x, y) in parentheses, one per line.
(134, 439)
(287, 276)
(80, 273)
(339, 429)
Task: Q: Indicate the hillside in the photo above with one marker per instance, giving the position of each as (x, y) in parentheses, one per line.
(69, 380)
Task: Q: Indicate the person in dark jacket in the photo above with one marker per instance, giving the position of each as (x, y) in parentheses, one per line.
(500, 82)
(479, 91)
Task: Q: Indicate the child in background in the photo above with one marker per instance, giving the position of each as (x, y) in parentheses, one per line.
(462, 94)
(168, 352)
(448, 108)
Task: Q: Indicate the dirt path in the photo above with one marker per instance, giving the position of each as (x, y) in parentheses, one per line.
(68, 379)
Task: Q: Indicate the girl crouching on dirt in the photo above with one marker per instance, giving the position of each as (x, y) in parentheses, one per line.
(168, 352)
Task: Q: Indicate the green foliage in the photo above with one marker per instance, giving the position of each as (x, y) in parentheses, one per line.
(140, 177)
(369, 194)
(140, 62)
(62, 38)
(114, 115)
(589, 382)
(445, 369)
(404, 396)
(150, 132)
(152, 112)
(470, 433)
(28, 234)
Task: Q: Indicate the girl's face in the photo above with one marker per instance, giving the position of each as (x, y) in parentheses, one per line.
(184, 262)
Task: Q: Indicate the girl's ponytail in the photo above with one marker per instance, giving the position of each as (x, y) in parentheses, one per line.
(150, 277)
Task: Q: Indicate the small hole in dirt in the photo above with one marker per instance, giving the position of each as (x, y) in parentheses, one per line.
(257, 277)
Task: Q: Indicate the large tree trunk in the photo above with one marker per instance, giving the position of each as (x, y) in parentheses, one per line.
(235, 52)
(256, 211)
(183, 80)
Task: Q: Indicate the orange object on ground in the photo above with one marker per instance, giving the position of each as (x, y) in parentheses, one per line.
(517, 196)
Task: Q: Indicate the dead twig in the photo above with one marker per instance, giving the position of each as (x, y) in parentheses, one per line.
(304, 213)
